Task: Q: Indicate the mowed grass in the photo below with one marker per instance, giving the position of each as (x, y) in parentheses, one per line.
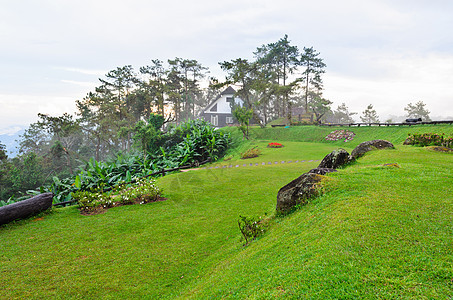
(377, 232)
(141, 251)
(394, 134)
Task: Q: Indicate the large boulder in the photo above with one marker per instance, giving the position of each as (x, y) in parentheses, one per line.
(321, 171)
(335, 159)
(297, 192)
(365, 147)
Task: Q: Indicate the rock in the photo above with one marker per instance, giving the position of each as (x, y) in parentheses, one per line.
(297, 192)
(407, 141)
(322, 171)
(335, 159)
(365, 147)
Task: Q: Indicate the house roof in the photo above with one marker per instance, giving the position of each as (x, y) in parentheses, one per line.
(228, 91)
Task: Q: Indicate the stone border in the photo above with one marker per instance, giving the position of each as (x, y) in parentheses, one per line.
(269, 163)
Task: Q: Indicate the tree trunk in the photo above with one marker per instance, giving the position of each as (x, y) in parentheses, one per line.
(26, 208)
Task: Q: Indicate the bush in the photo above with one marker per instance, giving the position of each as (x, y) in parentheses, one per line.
(142, 192)
(254, 152)
(250, 227)
(429, 139)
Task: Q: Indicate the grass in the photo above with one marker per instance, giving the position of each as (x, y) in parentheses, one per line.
(316, 134)
(376, 232)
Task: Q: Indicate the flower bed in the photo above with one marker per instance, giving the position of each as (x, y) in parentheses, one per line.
(274, 145)
(337, 135)
(94, 202)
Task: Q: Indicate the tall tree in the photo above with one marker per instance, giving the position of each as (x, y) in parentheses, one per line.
(369, 115)
(119, 84)
(153, 86)
(240, 72)
(314, 68)
(190, 72)
(417, 110)
(281, 58)
(65, 133)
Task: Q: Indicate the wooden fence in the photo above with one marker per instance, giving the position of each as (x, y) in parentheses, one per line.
(375, 124)
(389, 124)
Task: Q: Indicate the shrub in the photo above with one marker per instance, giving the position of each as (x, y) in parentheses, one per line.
(250, 227)
(254, 152)
(429, 139)
(143, 191)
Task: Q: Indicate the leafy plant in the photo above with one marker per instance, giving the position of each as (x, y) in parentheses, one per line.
(429, 139)
(250, 227)
(254, 152)
(144, 191)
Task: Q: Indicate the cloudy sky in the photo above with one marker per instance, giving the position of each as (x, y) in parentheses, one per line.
(385, 53)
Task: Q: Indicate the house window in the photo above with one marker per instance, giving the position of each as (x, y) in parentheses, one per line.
(229, 99)
(215, 120)
(229, 120)
(214, 108)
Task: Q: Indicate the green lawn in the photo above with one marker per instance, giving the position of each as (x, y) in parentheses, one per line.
(376, 232)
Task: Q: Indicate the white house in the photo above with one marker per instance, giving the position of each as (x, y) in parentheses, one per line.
(218, 112)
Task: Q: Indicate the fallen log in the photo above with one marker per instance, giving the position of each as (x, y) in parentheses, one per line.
(25, 208)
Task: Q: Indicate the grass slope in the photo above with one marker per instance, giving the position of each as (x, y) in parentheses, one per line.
(377, 232)
(395, 134)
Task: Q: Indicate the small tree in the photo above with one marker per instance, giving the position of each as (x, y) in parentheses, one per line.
(243, 116)
(417, 110)
(319, 105)
(343, 115)
(369, 115)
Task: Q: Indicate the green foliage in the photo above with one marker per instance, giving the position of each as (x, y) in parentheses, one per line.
(196, 141)
(250, 227)
(369, 115)
(243, 116)
(144, 191)
(357, 241)
(3, 155)
(342, 114)
(7, 202)
(250, 153)
(430, 139)
(319, 105)
(417, 110)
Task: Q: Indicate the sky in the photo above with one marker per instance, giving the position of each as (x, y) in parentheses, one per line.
(385, 53)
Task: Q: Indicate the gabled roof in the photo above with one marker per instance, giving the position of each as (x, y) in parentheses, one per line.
(228, 91)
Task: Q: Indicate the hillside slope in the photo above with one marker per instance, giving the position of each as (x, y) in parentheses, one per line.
(377, 232)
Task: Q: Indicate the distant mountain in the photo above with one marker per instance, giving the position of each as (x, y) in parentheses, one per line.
(9, 140)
